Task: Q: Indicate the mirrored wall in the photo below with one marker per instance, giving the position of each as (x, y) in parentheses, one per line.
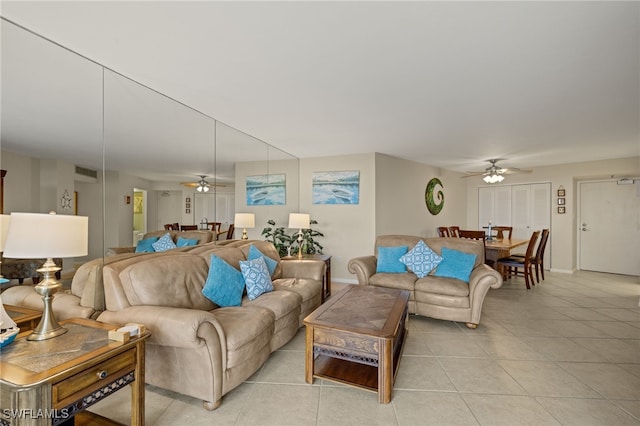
(126, 155)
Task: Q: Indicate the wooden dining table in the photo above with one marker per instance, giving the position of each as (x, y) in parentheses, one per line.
(497, 248)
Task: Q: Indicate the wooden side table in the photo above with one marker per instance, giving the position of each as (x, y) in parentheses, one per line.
(326, 282)
(26, 319)
(47, 382)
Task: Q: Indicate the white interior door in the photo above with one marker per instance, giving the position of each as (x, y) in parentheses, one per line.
(521, 211)
(609, 227)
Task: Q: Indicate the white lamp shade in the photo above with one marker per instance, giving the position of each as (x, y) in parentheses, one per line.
(38, 235)
(4, 229)
(299, 220)
(244, 220)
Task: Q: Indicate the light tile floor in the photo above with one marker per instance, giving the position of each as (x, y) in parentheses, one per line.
(566, 352)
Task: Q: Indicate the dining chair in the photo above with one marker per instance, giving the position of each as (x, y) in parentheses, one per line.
(454, 231)
(443, 231)
(538, 259)
(230, 232)
(189, 227)
(512, 265)
(500, 230)
(168, 227)
(477, 235)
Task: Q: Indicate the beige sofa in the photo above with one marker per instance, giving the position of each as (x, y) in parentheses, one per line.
(203, 237)
(85, 299)
(437, 297)
(197, 348)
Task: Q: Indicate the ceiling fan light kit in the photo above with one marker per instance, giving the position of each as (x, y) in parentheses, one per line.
(495, 174)
(203, 185)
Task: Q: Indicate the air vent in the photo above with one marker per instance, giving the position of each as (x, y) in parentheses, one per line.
(86, 172)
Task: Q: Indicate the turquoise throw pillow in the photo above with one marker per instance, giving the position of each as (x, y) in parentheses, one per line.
(256, 277)
(455, 264)
(186, 242)
(224, 285)
(164, 243)
(421, 259)
(146, 245)
(389, 259)
(255, 253)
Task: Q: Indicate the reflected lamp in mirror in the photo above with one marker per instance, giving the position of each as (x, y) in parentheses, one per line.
(299, 221)
(37, 235)
(244, 221)
(4, 228)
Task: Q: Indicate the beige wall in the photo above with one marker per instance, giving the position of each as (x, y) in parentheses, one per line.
(563, 226)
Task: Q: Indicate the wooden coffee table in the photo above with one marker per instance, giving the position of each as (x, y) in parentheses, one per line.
(356, 338)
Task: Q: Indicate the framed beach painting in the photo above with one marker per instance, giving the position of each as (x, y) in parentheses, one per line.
(336, 187)
(266, 190)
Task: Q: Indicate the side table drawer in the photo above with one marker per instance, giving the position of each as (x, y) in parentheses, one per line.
(85, 382)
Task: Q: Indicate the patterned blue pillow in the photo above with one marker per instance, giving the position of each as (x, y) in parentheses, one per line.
(146, 245)
(255, 253)
(421, 259)
(224, 285)
(389, 259)
(455, 264)
(164, 243)
(256, 277)
(185, 242)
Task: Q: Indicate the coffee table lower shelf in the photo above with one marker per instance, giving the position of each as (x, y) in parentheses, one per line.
(346, 372)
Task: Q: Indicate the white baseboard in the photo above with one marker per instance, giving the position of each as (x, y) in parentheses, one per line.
(563, 271)
(344, 280)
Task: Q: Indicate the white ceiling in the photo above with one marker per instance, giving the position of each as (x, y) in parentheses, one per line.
(449, 84)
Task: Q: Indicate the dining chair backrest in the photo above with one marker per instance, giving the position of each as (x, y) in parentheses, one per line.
(168, 227)
(175, 226)
(454, 231)
(189, 228)
(443, 231)
(531, 246)
(542, 245)
(500, 230)
(476, 235)
(230, 232)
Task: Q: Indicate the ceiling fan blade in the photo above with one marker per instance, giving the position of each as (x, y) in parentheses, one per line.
(472, 174)
(194, 184)
(514, 171)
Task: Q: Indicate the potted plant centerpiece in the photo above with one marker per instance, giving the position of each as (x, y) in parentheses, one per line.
(288, 244)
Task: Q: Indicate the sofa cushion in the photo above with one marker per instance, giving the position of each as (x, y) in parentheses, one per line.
(256, 277)
(421, 259)
(399, 281)
(186, 242)
(146, 245)
(225, 284)
(164, 243)
(166, 279)
(455, 264)
(254, 253)
(389, 260)
(442, 285)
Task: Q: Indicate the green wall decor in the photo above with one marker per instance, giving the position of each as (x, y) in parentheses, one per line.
(433, 206)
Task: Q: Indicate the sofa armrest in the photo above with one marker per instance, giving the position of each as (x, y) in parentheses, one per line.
(178, 327)
(364, 267)
(483, 277)
(112, 251)
(310, 269)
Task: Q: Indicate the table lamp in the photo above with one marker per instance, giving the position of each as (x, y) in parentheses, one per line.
(37, 235)
(4, 228)
(300, 221)
(244, 221)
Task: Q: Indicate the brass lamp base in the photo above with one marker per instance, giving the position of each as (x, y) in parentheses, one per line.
(300, 245)
(244, 234)
(48, 327)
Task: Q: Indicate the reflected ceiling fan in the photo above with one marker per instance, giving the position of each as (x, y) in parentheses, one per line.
(495, 173)
(202, 185)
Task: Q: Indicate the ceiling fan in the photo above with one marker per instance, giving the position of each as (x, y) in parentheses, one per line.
(202, 185)
(494, 173)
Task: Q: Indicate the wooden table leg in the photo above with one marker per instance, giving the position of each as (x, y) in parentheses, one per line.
(137, 388)
(385, 371)
(308, 364)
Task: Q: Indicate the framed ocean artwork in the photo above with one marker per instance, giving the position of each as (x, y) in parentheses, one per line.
(341, 187)
(266, 190)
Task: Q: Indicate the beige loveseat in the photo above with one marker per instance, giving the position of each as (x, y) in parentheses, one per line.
(197, 348)
(437, 297)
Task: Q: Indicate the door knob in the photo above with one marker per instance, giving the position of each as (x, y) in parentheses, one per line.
(584, 229)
